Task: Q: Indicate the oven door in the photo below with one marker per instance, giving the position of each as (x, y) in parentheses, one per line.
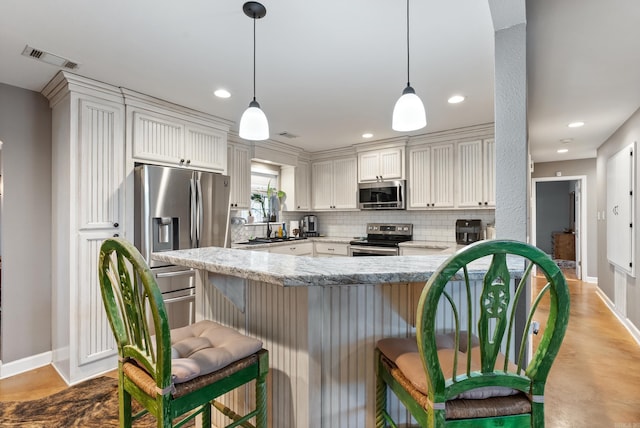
(364, 250)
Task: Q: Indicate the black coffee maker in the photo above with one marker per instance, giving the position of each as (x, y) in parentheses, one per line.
(468, 231)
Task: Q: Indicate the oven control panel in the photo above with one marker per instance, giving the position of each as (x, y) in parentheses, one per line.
(389, 229)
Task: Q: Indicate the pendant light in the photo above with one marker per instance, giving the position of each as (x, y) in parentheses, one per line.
(253, 123)
(408, 113)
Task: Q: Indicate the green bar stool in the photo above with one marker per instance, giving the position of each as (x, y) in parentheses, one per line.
(175, 374)
(466, 369)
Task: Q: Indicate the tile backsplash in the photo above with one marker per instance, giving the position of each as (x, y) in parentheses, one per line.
(430, 225)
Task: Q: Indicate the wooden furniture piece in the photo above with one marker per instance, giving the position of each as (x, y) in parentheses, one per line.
(564, 246)
(177, 372)
(479, 379)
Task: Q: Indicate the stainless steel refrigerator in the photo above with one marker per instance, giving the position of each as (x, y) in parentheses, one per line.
(178, 208)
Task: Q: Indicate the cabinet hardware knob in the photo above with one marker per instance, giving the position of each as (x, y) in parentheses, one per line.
(188, 161)
(115, 225)
(115, 235)
(486, 203)
(479, 203)
(181, 160)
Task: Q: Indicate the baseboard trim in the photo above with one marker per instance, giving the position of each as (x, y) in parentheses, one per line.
(25, 364)
(631, 328)
(591, 279)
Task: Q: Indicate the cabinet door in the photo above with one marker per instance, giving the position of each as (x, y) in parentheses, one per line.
(240, 172)
(391, 164)
(157, 139)
(322, 182)
(369, 166)
(93, 333)
(345, 183)
(205, 148)
(441, 176)
(101, 164)
(489, 172)
(470, 174)
(302, 189)
(419, 178)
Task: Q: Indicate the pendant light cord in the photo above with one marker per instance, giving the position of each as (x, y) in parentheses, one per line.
(408, 80)
(254, 58)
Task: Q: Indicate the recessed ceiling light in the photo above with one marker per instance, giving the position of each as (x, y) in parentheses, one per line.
(456, 99)
(566, 140)
(575, 124)
(222, 93)
(563, 150)
(367, 135)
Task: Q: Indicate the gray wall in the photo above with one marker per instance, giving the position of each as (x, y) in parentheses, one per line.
(552, 212)
(585, 167)
(625, 135)
(25, 130)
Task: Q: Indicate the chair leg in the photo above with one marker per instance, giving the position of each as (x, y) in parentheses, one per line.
(261, 391)
(381, 395)
(206, 415)
(537, 415)
(124, 403)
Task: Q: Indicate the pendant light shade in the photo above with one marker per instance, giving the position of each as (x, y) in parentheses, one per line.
(253, 123)
(408, 113)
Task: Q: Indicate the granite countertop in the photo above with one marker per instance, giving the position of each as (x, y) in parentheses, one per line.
(287, 270)
(329, 240)
(432, 245)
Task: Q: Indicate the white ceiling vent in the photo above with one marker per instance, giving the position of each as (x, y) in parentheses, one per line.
(287, 134)
(49, 58)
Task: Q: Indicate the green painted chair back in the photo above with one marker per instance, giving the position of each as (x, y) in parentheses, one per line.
(491, 306)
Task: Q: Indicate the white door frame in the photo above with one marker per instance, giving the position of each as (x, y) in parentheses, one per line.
(583, 215)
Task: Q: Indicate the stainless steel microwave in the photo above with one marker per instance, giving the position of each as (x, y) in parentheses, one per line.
(382, 195)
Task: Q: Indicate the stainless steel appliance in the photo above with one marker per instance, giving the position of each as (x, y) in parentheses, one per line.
(468, 231)
(309, 226)
(382, 239)
(383, 195)
(177, 208)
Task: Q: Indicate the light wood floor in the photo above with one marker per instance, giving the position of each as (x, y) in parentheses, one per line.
(594, 382)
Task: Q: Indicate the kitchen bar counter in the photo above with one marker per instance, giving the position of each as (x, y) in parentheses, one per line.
(291, 271)
(319, 318)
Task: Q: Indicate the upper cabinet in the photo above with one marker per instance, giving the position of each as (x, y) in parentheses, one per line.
(381, 165)
(335, 184)
(476, 172)
(161, 139)
(165, 134)
(239, 169)
(295, 181)
(431, 176)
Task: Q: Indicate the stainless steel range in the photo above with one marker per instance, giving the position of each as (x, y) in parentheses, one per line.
(382, 239)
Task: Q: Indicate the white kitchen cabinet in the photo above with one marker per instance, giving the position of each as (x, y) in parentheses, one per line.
(162, 139)
(239, 169)
(296, 249)
(381, 165)
(476, 172)
(334, 184)
(325, 249)
(431, 176)
(294, 180)
(88, 171)
(423, 251)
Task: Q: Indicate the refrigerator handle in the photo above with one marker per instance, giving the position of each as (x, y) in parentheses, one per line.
(192, 211)
(200, 213)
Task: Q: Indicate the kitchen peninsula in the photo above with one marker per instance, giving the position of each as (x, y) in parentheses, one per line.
(319, 318)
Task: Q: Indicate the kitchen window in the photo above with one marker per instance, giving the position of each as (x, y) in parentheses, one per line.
(264, 177)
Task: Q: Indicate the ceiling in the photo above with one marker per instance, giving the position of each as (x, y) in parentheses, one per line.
(330, 73)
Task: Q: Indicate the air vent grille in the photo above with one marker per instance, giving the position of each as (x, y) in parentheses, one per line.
(49, 58)
(287, 134)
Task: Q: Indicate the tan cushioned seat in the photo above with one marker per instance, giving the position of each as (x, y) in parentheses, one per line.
(205, 347)
(403, 352)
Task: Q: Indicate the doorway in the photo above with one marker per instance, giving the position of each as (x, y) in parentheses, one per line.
(558, 213)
